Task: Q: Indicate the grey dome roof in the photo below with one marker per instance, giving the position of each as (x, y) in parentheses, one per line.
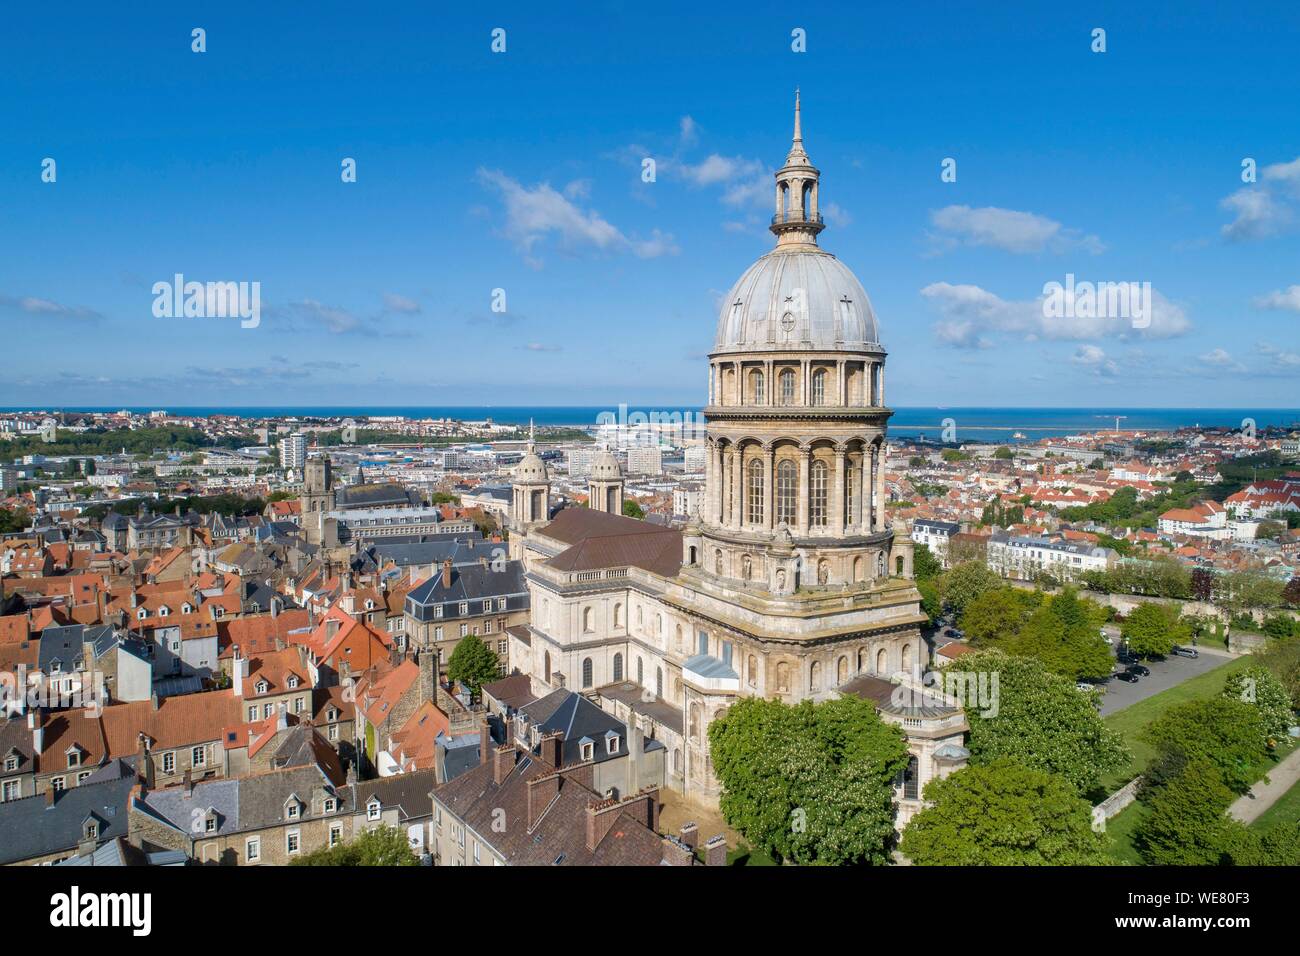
(531, 468)
(762, 312)
(604, 466)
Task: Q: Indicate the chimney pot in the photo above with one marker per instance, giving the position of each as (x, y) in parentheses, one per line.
(715, 851)
(690, 834)
(446, 573)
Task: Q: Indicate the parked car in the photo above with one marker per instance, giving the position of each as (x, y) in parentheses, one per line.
(1128, 677)
(1139, 670)
(1181, 651)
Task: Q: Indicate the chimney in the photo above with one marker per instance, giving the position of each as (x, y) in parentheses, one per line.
(153, 698)
(282, 717)
(601, 817)
(677, 853)
(552, 748)
(428, 675)
(635, 743)
(541, 791)
(144, 763)
(238, 673)
(503, 761)
(446, 573)
(35, 722)
(331, 628)
(135, 598)
(50, 796)
(484, 742)
(690, 834)
(275, 608)
(715, 851)
(187, 783)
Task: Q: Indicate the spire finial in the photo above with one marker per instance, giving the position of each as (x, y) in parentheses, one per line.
(798, 134)
(531, 434)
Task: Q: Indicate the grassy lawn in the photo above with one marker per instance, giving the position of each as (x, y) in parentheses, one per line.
(1132, 720)
(1119, 829)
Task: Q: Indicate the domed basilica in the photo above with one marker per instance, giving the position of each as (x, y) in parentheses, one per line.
(789, 581)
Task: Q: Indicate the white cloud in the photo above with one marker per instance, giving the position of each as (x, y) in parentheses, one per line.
(1094, 357)
(1287, 299)
(836, 215)
(400, 303)
(536, 212)
(1008, 229)
(32, 305)
(1266, 208)
(971, 316)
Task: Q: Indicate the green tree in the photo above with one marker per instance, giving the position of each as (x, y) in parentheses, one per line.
(632, 510)
(1065, 634)
(1003, 453)
(1154, 629)
(810, 783)
(382, 846)
(1227, 732)
(964, 583)
(925, 566)
(1185, 824)
(931, 605)
(997, 616)
(1040, 721)
(473, 663)
(1258, 686)
(1003, 814)
(1283, 661)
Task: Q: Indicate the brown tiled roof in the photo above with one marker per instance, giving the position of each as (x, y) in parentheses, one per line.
(599, 540)
(560, 835)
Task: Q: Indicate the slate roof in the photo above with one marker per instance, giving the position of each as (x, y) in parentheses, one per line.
(408, 792)
(31, 828)
(579, 719)
(469, 583)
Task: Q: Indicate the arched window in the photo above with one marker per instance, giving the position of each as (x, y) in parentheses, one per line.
(659, 625)
(677, 637)
(640, 671)
(815, 677)
(882, 661)
(588, 620)
(695, 722)
(547, 659)
(618, 615)
(863, 661)
(841, 671)
(751, 671)
(659, 682)
(819, 387)
(859, 569)
(907, 658)
(618, 667)
(898, 565)
(787, 481)
(677, 760)
(851, 494)
(759, 396)
(746, 567)
(717, 562)
(640, 616)
(787, 386)
(783, 677)
(817, 495)
(755, 492)
(586, 672)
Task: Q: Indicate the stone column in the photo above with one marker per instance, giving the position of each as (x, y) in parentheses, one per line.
(868, 477)
(737, 488)
(804, 391)
(837, 494)
(882, 383)
(740, 383)
(880, 488)
(805, 462)
(840, 385)
(769, 490)
(770, 391)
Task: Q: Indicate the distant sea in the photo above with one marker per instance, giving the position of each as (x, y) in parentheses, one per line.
(972, 424)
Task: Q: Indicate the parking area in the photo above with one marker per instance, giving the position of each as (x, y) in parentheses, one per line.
(1165, 674)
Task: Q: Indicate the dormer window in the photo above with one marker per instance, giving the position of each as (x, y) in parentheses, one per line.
(74, 757)
(588, 750)
(187, 608)
(164, 611)
(372, 809)
(332, 714)
(464, 607)
(11, 764)
(91, 830)
(292, 810)
(262, 686)
(141, 614)
(293, 681)
(611, 743)
(330, 804)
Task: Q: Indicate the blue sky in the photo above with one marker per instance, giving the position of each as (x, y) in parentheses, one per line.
(521, 171)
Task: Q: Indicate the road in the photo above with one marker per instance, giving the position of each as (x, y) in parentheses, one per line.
(1165, 674)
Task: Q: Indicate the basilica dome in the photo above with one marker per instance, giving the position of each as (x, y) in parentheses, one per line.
(531, 469)
(799, 298)
(605, 467)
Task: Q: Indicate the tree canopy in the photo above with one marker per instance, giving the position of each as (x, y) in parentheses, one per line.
(1003, 814)
(473, 663)
(810, 783)
(382, 846)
